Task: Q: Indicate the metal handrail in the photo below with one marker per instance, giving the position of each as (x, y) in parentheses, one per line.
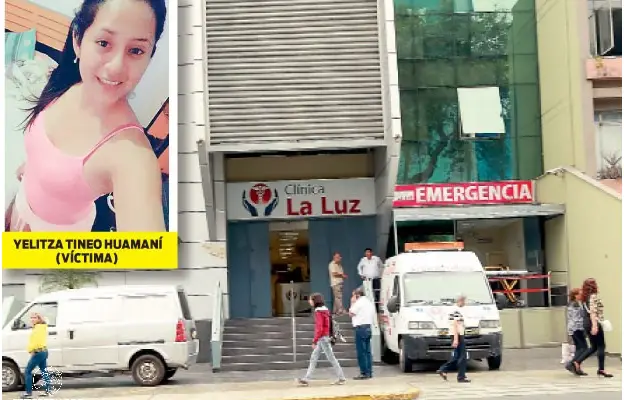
(218, 325)
(293, 320)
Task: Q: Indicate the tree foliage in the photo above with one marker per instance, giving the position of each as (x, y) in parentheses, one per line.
(62, 279)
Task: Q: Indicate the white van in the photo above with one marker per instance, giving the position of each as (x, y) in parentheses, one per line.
(145, 330)
(418, 291)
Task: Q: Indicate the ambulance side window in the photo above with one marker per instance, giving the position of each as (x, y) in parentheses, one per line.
(396, 288)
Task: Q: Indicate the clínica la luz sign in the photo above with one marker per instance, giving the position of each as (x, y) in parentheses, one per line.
(300, 199)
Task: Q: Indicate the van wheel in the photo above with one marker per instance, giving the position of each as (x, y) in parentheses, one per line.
(148, 370)
(494, 363)
(11, 377)
(170, 373)
(404, 363)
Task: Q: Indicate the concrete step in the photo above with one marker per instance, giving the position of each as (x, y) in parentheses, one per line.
(281, 366)
(273, 342)
(280, 321)
(282, 357)
(236, 349)
(250, 336)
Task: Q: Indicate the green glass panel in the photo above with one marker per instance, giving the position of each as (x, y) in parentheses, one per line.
(523, 68)
(477, 72)
(432, 73)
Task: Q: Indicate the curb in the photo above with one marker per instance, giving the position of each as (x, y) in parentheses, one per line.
(406, 395)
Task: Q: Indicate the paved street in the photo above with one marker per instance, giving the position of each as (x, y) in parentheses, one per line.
(534, 374)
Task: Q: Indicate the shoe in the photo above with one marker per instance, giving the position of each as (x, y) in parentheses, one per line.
(442, 374)
(45, 394)
(463, 380)
(302, 382)
(571, 368)
(340, 382)
(361, 377)
(580, 372)
(26, 396)
(604, 374)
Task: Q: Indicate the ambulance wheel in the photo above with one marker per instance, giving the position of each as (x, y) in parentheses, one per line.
(405, 364)
(388, 356)
(494, 363)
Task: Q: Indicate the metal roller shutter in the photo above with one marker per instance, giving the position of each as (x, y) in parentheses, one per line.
(293, 71)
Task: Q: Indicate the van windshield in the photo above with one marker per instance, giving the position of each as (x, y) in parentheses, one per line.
(443, 287)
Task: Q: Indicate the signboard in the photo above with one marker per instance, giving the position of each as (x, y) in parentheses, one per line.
(301, 199)
(464, 193)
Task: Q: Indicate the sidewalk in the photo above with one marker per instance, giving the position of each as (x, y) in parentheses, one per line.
(378, 389)
(399, 387)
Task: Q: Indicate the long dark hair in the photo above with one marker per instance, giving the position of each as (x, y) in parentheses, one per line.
(67, 74)
(589, 287)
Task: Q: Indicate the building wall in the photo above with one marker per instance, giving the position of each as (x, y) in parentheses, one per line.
(441, 48)
(566, 94)
(587, 241)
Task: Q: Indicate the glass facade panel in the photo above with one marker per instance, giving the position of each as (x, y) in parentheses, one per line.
(444, 45)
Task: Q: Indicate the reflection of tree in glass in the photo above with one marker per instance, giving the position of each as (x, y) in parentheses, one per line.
(62, 279)
(438, 53)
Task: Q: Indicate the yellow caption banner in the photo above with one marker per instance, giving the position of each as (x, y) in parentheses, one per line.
(90, 250)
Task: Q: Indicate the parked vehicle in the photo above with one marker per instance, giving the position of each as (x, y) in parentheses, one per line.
(147, 331)
(418, 292)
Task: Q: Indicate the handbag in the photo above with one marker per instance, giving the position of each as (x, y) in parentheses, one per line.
(606, 325)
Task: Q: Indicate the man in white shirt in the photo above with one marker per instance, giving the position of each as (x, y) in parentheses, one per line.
(363, 316)
(459, 358)
(370, 268)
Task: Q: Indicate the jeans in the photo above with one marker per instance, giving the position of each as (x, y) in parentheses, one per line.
(323, 345)
(38, 359)
(363, 347)
(598, 346)
(459, 360)
(580, 344)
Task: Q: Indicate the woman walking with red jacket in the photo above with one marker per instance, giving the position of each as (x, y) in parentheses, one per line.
(322, 340)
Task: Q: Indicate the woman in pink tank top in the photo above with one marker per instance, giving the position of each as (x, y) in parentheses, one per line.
(82, 138)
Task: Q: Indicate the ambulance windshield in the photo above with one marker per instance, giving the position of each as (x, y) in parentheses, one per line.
(434, 288)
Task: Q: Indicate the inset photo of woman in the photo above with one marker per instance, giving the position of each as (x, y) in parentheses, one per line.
(86, 144)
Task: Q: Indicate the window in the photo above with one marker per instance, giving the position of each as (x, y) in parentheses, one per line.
(186, 310)
(47, 310)
(481, 113)
(396, 288)
(443, 287)
(605, 28)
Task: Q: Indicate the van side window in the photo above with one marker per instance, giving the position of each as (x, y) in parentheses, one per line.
(47, 310)
(186, 310)
(396, 288)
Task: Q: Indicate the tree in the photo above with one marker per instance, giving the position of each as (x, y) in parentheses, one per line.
(61, 279)
(612, 168)
(438, 52)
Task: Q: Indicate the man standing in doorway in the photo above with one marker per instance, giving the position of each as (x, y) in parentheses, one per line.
(370, 268)
(336, 279)
(363, 316)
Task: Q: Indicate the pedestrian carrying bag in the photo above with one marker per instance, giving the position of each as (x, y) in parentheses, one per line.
(606, 325)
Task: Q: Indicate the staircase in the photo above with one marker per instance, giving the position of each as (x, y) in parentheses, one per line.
(266, 344)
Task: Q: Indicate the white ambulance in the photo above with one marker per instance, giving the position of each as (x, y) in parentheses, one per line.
(418, 291)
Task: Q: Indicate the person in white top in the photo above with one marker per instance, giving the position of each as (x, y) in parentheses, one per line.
(459, 357)
(370, 268)
(363, 316)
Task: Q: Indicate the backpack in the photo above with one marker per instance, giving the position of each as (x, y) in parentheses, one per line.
(332, 332)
